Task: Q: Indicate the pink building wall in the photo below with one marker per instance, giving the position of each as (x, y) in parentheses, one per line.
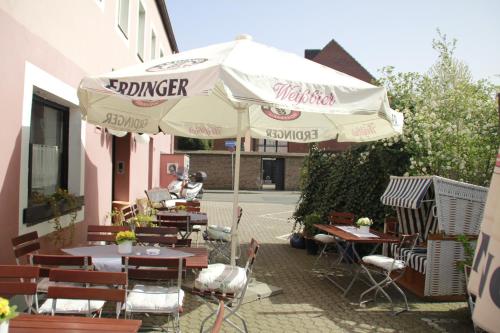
(49, 46)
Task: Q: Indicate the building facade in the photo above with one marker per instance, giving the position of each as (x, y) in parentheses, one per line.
(48, 46)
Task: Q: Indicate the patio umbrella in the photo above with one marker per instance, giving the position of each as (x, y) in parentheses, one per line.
(237, 88)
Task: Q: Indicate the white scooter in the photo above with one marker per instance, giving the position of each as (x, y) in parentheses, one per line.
(184, 188)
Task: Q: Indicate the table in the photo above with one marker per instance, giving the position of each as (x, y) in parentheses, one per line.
(195, 218)
(351, 241)
(25, 323)
(107, 258)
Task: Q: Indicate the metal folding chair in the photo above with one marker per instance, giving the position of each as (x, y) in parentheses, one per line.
(328, 240)
(220, 282)
(218, 239)
(392, 269)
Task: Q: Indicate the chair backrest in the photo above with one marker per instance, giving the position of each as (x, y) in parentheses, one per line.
(156, 235)
(188, 204)
(23, 245)
(219, 319)
(181, 222)
(49, 262)
(149, 268)
(391, 225)
(252, 250)
(91, 286)
(156, 196)
(183, 242)
(104, 233)
(129, 212)
(341, 218)
(405, 247)
(26, 285)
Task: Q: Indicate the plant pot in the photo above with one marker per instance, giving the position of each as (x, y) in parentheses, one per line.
(4, 327)
(364, 229)
(297, 241)
(39, 213)
(311, 246)
(125, 247)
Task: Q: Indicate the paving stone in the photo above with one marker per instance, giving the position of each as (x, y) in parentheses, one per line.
(309, 302)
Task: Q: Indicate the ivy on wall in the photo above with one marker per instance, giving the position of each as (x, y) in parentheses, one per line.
(350, 181)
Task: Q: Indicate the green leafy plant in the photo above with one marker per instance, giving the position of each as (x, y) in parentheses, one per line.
(309, 222)
(142, 220)
(7, 312)
(124, 236)
(61, 196)
(468, 252)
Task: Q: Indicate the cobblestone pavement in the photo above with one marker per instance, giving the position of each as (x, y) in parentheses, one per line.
(309, 302)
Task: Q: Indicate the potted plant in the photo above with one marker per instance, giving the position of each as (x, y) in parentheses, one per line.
(309, 232)
(297, 240)
(364, 224)
(143, 220)
(7, 312)
(125, 240)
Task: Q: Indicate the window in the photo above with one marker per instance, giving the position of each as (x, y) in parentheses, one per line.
(153, 45)
(123, 16)
(274, 146)
(140, 32)
(161, 53)
(48, 147)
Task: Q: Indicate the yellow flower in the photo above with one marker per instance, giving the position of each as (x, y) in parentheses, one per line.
(4, 308)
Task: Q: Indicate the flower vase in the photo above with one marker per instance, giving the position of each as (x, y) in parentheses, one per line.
(4, 327)
(124, 247)
(364, 229)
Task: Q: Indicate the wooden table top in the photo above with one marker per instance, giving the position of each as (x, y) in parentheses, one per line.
(347, 236)
(25, 323)
(200, 258)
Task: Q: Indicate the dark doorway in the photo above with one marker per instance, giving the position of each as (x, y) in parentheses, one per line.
(273, 172)
(279, 174)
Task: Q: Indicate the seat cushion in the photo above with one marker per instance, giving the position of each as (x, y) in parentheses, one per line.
(217, 232)
(221, 278)
(324, 238)
(154, 299)
(383, 262)
(71, 306)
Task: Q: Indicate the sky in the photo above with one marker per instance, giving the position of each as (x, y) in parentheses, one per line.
(376, 33)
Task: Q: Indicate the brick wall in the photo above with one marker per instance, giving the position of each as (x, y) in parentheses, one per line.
(217, 165)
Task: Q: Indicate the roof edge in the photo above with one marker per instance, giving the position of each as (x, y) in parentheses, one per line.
(167, 25)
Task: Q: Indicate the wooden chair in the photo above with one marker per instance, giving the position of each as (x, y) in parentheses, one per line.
(228, 283)
(218, 239)
(23, 245)
(129, 212)
(181, 222)
(390, 227)
(166, 298)
(190, 206)
(26, 285)
(47, 262)
(166, 236)
(104, 233)
(183, 242)
(219, 319)
(343, 218)
(87, 294)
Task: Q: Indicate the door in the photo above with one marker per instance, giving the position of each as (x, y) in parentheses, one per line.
(279, 174)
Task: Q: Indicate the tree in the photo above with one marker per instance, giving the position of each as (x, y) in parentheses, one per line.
(451, 123)
(184, 143)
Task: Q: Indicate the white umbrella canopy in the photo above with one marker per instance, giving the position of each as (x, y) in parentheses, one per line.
(236, 88)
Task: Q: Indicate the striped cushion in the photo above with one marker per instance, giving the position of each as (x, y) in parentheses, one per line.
(418, 260)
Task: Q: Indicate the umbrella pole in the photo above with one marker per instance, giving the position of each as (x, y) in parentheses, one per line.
(234, 231)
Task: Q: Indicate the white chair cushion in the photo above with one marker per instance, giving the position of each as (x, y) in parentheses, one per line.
(196, 228)
(71, 306)
(219, 233)
(383, 262)
(221, 278)
(323, 238)
(171, 203)
(154, 299)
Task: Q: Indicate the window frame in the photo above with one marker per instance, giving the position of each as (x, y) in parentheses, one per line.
(119, 22)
